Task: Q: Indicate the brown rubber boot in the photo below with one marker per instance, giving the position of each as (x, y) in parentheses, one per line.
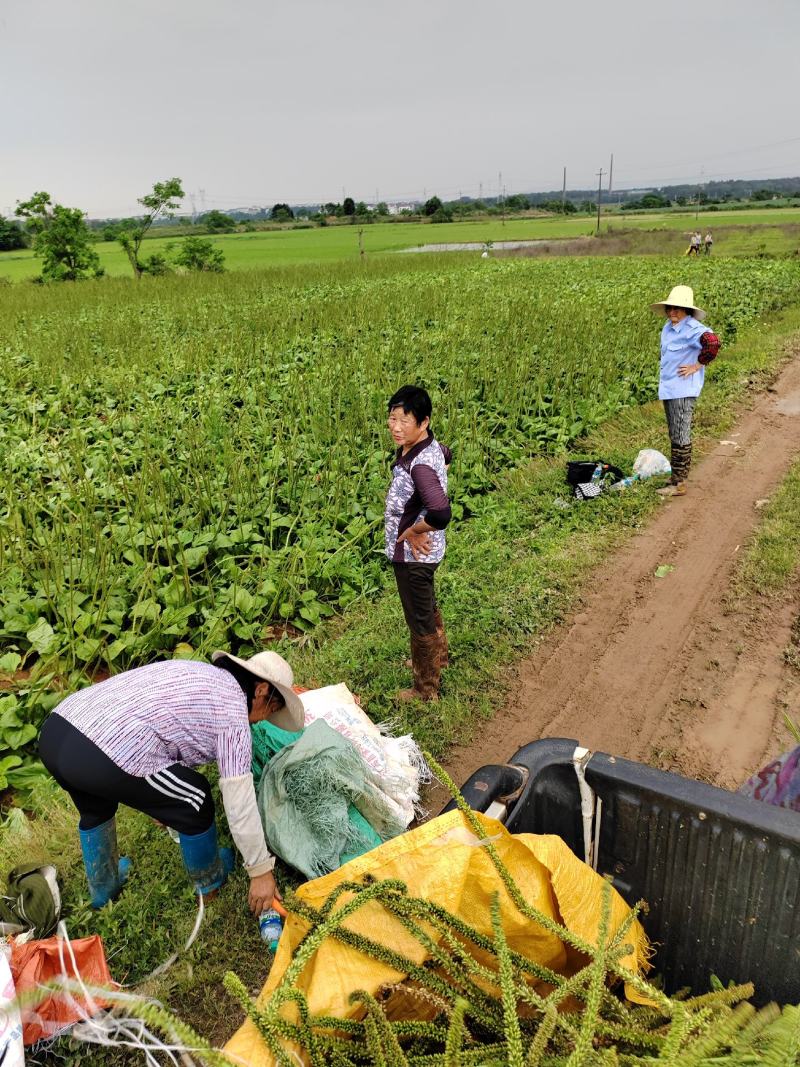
(444, 647)
(425, 657)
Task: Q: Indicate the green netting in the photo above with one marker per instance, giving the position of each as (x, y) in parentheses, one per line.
(316, 804)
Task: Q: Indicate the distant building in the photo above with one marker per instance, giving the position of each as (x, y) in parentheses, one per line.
(396, 208)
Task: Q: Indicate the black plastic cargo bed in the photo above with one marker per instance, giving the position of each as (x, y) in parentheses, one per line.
(720, 872)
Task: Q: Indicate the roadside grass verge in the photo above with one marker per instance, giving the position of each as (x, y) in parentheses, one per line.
(770, 568)
(772, 558)
(511, 573)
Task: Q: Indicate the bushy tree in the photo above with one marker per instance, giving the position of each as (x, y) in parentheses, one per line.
(162, 202)
(281, 213)
(348, 206)
(517, 202)
(198, 254)
(382, 208)
(331, 209)
(218, 222)
(440, 215)
(157, 264)
(12, 236)
(61, 238)
(432, 205)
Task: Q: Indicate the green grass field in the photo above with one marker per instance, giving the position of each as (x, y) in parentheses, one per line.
(247, 251)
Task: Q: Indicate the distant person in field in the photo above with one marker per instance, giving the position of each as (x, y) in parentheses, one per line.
(687, 347)
(136, 739)
(708, 242)
(694, 244)
(417, 512)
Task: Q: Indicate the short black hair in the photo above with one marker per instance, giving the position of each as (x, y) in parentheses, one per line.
(414, 400)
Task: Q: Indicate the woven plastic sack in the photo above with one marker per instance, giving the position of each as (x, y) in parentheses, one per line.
(35, 963)
(396, 761)
(443, 861)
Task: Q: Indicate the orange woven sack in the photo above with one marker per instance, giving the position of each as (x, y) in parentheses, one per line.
(36, 963)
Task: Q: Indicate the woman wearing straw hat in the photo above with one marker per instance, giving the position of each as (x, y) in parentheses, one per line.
(136, 738)
(687, 347)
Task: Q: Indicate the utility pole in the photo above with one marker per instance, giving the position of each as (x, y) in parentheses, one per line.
(564, 191)
(599, 195)
(699, 192)
(610, 179)
(500, 196)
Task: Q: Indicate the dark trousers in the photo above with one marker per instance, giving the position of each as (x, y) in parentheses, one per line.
(417, 595)
(177, 796)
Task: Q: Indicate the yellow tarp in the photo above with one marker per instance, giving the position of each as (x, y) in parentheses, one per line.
(443, 861)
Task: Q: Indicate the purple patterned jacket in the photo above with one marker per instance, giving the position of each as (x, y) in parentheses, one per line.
(418, 490)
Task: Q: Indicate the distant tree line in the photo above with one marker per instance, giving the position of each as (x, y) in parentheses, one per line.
(62, 239)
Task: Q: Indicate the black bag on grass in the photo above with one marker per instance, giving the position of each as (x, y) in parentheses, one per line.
(580, 473)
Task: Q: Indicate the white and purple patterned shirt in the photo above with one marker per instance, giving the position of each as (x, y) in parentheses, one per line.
(178, 711)
(418, 491)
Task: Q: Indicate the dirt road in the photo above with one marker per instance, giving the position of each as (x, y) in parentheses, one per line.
(662, 669)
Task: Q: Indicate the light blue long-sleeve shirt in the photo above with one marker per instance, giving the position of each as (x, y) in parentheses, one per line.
(680, 345)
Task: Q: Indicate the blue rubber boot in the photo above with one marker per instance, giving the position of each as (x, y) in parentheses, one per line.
(207, 865)
(106, 873)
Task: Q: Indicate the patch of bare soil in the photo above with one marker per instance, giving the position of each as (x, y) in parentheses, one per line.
(665, 670)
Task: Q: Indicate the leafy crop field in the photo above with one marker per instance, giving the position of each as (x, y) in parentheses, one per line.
(191, 460)
(247, 251)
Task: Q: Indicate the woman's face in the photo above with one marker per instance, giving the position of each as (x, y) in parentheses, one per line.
(404, 428)
(266, 700)
(676, 314)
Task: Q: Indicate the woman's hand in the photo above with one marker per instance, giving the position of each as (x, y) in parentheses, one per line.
(263, 891)
(686, 370)
(419, 541)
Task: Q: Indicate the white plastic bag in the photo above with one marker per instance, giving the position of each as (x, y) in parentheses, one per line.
(650, 462)
(12, 1052)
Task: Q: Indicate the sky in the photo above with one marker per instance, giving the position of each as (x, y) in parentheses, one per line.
(252, 102)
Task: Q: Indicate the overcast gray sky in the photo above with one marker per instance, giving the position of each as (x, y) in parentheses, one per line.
(256, 102)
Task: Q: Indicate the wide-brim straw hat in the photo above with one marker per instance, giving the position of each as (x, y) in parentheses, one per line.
(682, 296)
(272, 668)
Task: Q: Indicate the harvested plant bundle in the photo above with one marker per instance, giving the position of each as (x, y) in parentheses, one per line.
(475, 1000)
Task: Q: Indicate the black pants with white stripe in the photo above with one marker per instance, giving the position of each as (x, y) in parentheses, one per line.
(177, 796)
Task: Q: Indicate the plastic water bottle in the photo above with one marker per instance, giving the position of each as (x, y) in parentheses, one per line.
(270, 926)
(625, 482)
(597, 473)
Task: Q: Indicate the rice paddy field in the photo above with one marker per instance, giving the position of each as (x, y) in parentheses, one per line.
(287, 247)
(197, 462)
